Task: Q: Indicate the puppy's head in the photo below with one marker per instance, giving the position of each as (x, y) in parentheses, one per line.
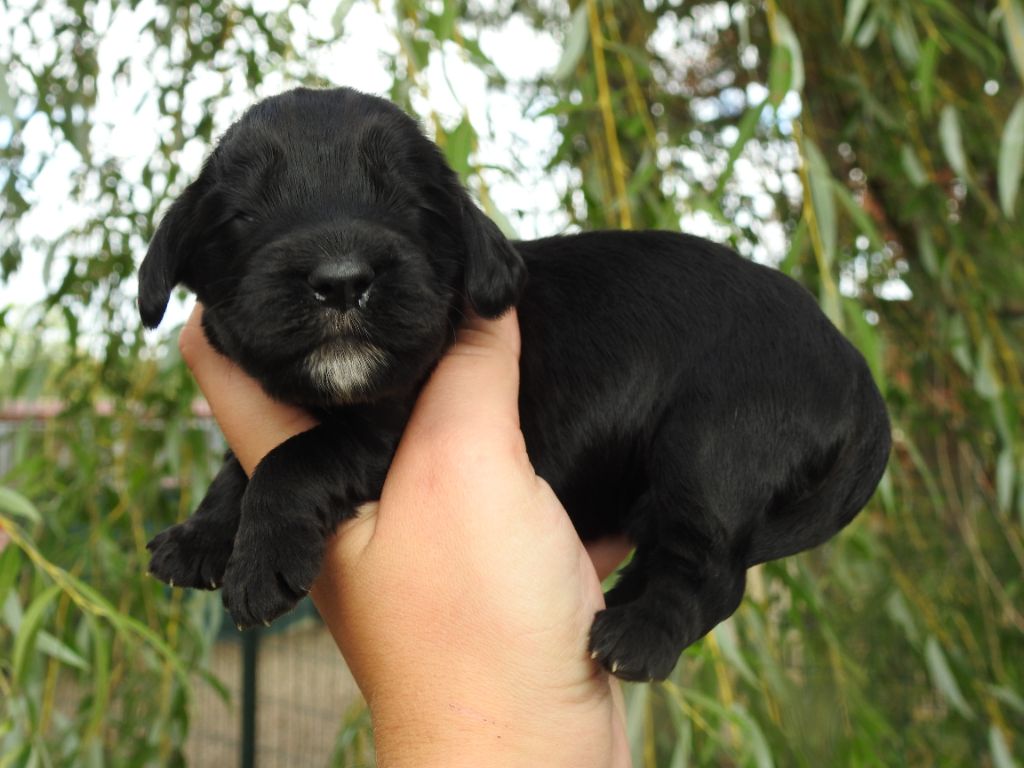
(332, 248)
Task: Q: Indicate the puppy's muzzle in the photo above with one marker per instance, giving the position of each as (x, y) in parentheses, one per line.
(342, 283)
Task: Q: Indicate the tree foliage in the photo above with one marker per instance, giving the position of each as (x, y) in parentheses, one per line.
(871, 149)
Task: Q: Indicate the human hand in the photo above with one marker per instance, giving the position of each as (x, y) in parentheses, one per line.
(462, 601)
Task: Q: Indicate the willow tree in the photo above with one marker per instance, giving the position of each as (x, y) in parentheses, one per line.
(871, 149)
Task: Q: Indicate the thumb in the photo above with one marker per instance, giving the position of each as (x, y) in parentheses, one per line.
(475, 387)
(467, 408)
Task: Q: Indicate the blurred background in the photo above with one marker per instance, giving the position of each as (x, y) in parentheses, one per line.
(872, 149)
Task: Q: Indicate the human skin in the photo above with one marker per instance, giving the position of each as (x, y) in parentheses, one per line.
(462, 600)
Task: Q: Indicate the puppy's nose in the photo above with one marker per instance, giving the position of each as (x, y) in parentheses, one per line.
(342, 284)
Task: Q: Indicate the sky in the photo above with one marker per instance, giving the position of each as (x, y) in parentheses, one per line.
(126, 124)
(126, 120)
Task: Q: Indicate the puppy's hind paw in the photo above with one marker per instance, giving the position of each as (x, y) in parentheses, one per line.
(630, 646)
(189, 555)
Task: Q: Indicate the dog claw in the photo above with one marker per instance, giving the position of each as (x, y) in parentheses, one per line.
(170, 583)
(266, 622)
(615, 667)
(594, 654)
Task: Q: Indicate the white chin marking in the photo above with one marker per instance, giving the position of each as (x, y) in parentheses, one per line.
(342, 374)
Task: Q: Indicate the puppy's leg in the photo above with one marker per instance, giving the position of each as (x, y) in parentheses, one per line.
(632, 577)
(195, 553)
(296, 497)
(688, 572)
(676, 603)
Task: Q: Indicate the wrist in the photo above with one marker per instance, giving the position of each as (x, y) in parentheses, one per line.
(499, 727)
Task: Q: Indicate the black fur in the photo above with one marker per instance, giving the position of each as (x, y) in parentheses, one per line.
(670, 389)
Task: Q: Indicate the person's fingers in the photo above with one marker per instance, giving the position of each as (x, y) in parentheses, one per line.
(252, 421)
(462, 442)
(475, 387)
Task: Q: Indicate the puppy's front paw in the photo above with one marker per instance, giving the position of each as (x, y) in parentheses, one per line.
(629, 644)
(271, 570)
(191, 554)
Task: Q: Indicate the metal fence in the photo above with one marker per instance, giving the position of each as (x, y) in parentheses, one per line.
(289, 689)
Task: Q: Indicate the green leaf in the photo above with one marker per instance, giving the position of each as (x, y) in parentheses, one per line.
(682, 733)
(1011, 158)
(51, 646)
(725, 634)
(926, 65)
(755, 742)
(338, 18)
(898, 610)
(867, 339)
(1006, 477)
(868, 32)
(820, 178)
(640, 181)
(952, 141)
(905, 41)
(865, 224)
(787, 37)
(10, 566)
(912, 166)
(987, 382)
(458, 146)
(15, 504)
(11, 612)
(747, 127)
(1001, 757)
(31, 622)
(23, 756)
(854, 13)
(219, 688)
(638, 699)
(446, 22)
(1013, 27)
(1009, 697)
(499, 217)
(929, 254)
(791, 261)
(575, 43)
(101, 651)
(6, 99)
(780, 75)
(943, 677)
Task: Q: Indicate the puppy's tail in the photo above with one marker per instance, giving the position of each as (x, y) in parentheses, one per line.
(817, 514)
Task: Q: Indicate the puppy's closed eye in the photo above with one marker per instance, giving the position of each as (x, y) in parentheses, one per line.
(375, 161)
(669, 388)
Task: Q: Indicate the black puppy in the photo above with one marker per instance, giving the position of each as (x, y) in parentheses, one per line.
(671, 390)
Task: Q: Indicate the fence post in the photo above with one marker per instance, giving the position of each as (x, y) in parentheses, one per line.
(250, 652)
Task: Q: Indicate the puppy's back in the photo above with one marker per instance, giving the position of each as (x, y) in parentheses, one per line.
(623, 330)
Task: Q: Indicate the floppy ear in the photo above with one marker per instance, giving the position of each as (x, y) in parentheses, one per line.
(164, 265)
(495, 273)
(394, 151)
